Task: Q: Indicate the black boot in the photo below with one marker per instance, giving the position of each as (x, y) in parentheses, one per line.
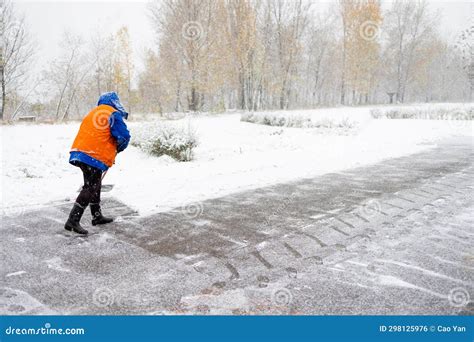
(97, 217)
(72, 223)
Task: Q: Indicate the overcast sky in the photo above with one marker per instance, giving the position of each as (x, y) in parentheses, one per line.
(47, 20)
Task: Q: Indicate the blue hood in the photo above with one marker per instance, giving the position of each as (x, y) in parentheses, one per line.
(112, 99)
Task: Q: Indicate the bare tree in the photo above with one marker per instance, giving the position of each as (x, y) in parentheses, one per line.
(102, 48)
(320, 49)
(68, 73)
(290, 20)
(16, 51)
(464, 45)
(409, 24)
(243, 39)
(150, 84)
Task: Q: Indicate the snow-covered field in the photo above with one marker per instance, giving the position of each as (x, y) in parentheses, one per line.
(231, 156)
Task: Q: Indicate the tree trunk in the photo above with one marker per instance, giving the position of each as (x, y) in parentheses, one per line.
(192, 104)
(2, 80)
(344, 52)
(178, 95)
(241, 91)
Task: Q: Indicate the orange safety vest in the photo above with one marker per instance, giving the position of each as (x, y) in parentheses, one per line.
(94, 137)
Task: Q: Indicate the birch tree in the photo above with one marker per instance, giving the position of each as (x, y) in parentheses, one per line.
(363, 48)
(122, 69)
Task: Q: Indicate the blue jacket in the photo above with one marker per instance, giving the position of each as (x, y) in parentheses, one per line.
(118, 130)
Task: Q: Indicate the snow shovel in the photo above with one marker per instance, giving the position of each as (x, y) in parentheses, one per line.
(105, 187)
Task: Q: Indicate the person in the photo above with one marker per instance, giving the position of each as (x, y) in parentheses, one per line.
(102, 134)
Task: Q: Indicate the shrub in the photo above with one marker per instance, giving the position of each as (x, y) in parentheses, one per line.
(429, 111)
(297, 120)
(176, 142)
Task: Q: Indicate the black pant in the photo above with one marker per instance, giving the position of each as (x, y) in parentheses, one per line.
(90, 193)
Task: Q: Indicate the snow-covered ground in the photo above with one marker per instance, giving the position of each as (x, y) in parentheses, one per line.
(232, 156)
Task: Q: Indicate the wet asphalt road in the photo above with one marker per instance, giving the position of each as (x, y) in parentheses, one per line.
(391, 238)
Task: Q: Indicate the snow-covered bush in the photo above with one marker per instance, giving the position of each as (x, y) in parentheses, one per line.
(295, 119)
(430, 111)
(164, 139)
(279, 119)
(377, 113)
